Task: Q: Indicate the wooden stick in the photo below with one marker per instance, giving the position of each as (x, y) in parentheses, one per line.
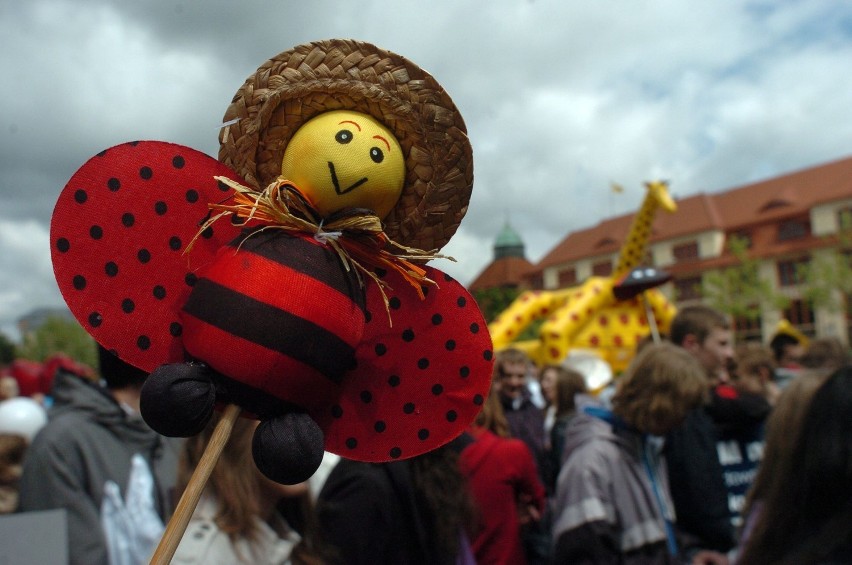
(189, 500)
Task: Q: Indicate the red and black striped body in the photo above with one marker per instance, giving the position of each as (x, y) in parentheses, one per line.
(279, 313)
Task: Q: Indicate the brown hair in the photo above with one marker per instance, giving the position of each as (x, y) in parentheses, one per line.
(698, 320)
(569, 382)
(659, 387)
(510, 355)
(492, 417)
(825, 353)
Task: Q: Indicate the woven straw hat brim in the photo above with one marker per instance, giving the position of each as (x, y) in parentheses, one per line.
(309, 79)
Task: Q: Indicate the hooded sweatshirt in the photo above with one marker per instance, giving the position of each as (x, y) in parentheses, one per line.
(90, 441)
(612, 500)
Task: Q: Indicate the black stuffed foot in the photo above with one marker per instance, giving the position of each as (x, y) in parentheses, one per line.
(178, 399)
(288, 449)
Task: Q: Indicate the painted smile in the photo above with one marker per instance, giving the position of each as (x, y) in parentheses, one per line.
(336, 183)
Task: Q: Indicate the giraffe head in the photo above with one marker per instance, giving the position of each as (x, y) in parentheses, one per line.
(659, 192)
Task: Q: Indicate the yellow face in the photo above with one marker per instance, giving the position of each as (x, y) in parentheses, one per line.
(342, 159)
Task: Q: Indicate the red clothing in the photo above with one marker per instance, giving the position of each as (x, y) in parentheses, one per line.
(499, 471)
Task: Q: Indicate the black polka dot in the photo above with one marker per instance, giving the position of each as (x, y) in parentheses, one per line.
(160, 207)
(190, 279)
(452, 416)
(423, 434)
(450, 344)
(422, 363)
(380, 426)
(351, 443)
(408, 335)
(111, 269)
(474, 328)
(80, 196)
(178, 162)
(367, 317)
(79, 282)
(127, 306)
(143, 255)
(437, 389)
(192, 196)
(408, 408)
(437, 319)
(425, 290)
(207, 233)
(159, 292)
(366, 396)
(395, 303)
(222, 186)
(236, 220)
(448, 278)
(381, 349)
(96, 232)
(146, 173)
(464, 372)
(175, 243)
(381, 273)
(478, 400)
(395, 453)
(394, 380)
(175, 329)
(95, 319)
(62, 245)
(143, 342)
(462, 301)
(337, 411)
(487, 354)
(128, 219)
(113, 184)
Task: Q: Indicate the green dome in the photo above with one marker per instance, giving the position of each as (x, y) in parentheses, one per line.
(508, 243)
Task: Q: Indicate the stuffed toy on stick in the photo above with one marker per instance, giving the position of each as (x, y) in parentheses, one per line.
(286, 280)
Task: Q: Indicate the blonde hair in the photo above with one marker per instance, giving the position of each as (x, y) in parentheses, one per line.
(234, 480)
(659, 387)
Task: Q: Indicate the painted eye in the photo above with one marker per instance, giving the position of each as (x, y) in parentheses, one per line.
(377, 155)
(344, 136)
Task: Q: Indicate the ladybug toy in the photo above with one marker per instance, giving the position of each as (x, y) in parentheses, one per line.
(288, 277)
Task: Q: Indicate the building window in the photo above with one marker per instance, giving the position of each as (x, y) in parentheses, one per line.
(747, 328)
(801, 314)
(685, 251)
(792, 271)
(687, 288)
(602, 269)
(793, 229)
(567, 277)
(844, 219)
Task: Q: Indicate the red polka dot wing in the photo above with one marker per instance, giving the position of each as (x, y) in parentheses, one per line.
(118, 235)
(419, 382)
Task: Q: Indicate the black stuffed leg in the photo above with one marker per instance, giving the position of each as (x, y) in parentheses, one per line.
(178, 399)
(288, 448)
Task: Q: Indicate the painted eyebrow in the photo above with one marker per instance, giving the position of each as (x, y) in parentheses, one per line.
(379, 137)
(350, 122)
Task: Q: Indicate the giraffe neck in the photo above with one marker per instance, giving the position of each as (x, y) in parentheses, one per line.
(633, 250)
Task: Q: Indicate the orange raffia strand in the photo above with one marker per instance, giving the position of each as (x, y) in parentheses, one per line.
(357, 238)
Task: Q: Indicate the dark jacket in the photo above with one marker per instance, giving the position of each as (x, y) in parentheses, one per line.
(90, 440)
(369, 514)
(708, 491)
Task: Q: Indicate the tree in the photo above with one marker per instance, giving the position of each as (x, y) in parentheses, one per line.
(739, 290)
(59, 335)
(828, 276)
(7, 350)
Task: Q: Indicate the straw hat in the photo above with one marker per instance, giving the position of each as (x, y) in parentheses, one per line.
(309, 79)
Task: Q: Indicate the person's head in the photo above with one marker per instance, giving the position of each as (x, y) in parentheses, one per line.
(567, 383)
(510, 372)
(241, 490)
(787, 349)
(118, 374)
(706, 334)
(825, 353)
(754, 368)
(659, 388)
(492, 417)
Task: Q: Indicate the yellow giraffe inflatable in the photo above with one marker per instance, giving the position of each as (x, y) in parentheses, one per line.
(589, 316)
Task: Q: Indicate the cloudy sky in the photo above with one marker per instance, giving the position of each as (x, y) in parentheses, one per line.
(561, 98)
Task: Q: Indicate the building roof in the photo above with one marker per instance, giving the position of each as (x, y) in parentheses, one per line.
(507, 271)
(771, 200)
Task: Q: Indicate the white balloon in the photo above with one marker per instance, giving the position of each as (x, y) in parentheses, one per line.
(22, 416)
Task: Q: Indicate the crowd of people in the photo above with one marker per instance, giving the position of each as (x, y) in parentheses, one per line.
(701, 453)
